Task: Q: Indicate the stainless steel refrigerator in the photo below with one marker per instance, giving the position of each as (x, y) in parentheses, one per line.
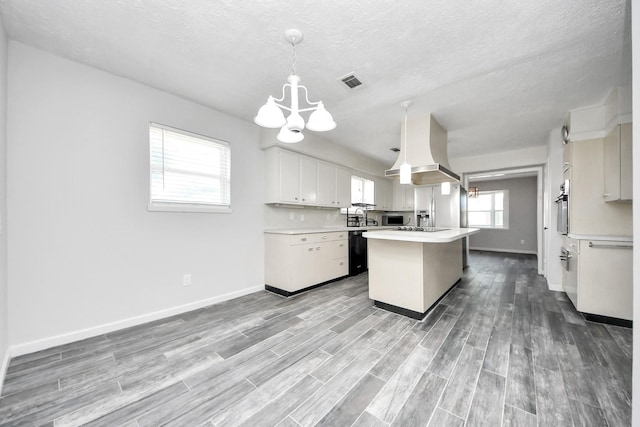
(434, 209)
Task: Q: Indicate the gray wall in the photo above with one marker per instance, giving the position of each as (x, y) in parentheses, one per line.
(522, 218)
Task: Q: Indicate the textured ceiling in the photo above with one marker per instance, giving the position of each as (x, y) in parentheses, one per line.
(498, 75)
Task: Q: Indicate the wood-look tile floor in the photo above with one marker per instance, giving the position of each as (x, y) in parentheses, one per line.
(500, 349)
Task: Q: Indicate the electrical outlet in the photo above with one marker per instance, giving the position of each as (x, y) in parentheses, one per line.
(186, 280)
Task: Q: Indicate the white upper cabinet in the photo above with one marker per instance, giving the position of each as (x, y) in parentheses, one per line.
(308, 180)
(383, 194)
(618, 164)
(288, 183)
(402, 196)
(290, 178)
(296, 179)
(334, 185)
(326, 184)
(343, 187)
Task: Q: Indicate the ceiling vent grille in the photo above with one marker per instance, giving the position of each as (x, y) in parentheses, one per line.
(351, 81)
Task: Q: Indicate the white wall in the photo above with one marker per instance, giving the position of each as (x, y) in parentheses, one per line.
(504, 160)
(554, 240)
(523, 213)
(86, 256)
(4, 328)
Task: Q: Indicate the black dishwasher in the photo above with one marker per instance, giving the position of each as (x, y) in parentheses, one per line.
(357, 253)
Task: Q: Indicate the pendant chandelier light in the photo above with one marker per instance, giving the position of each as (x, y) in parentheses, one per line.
(270, 114)
(405, 168)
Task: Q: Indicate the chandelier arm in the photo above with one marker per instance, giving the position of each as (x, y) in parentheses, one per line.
(283, 92)
(306, 97)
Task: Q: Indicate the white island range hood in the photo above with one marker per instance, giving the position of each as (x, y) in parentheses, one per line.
(426, 149)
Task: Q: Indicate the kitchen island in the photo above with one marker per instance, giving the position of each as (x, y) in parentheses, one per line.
(410, 271)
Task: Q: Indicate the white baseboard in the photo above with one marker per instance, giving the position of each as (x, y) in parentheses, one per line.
(66, 338)
(511, 251)
(3, 367)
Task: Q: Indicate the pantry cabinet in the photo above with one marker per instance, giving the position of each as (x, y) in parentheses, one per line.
(618, 164)
(294, 262)
(589, 213)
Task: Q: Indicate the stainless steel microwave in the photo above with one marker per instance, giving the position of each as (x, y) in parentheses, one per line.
(394, 220)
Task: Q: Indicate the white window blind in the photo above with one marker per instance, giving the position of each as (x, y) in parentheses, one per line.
(189, 172)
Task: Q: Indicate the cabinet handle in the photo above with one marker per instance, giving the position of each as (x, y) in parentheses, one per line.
(606, 195)
(303, 200)
(341, 245)
(295, 198)
(324, 237)
(310, 249)
(304, 239)
(342, 263)
(318, 248)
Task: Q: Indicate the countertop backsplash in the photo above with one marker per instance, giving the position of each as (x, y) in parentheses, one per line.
(286, 217)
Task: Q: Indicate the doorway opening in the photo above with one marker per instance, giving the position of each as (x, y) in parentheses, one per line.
(503, 238)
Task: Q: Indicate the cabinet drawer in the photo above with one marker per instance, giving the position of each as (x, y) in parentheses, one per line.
(301, 239)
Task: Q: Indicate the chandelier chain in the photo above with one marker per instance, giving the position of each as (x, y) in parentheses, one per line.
(293, 57)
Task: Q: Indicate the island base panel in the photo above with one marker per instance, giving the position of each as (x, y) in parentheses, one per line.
(410, 313)
(412, 275)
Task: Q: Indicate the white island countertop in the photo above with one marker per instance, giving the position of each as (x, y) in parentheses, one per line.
(329, 229)
(443, 236)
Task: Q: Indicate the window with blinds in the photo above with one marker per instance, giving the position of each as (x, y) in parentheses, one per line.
(189, 172)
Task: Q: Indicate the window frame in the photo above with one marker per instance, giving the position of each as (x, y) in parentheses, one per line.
(155, 205)
(493, 210)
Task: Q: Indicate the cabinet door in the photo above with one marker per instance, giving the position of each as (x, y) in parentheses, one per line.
(402, 197)
(409, 197)
(308, 181)
(305, 268)
(343, 187)
(612, 165)
(326, 184)
(626, 162)
(384, 195)
(289, 177)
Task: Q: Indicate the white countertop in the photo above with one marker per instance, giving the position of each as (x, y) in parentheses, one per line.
(312, 230)
(600, 237)
(444, 236)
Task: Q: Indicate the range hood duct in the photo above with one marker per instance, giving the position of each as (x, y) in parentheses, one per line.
(426, 147)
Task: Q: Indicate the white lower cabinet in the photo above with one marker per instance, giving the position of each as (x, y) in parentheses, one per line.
(295, 262)
(599, 279)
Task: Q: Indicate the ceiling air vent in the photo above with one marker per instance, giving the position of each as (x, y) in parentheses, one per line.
(351, 81)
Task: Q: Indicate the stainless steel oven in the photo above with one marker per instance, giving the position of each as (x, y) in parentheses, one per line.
(562, 205)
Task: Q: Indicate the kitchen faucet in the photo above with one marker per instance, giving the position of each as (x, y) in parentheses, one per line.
(364, 215)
